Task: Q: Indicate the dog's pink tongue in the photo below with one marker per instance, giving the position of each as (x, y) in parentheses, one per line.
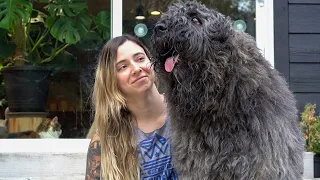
(169, 64)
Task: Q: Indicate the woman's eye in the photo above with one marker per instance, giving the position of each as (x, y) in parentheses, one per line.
(122, 67)
(196, 20)
(140, 58)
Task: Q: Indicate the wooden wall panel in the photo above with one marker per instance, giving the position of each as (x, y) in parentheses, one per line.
(304, 18)
(304, 1)
(305, 77)
(304, 47)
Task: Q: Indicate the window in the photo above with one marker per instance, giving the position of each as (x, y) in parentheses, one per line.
(65, 37)
(140, 16)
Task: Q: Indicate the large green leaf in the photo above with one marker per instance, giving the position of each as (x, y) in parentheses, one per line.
(83, 24)
(50, 21)
(64, 29)
(69, 8)
(70, 29)
(103, 22)
(12, 11)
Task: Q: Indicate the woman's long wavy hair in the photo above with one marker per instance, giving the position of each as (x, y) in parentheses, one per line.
(119, 155)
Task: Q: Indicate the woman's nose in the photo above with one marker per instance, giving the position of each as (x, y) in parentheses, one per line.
(136, 67)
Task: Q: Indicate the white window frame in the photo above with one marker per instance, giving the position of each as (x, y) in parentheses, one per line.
(116, 18)
(265, 29)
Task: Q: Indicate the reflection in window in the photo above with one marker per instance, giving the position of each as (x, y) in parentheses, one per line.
(137, 13)
(140, 16)
(78, 29)
(69, 93)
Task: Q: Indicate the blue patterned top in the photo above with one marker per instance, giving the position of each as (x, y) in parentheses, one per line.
(155, 154)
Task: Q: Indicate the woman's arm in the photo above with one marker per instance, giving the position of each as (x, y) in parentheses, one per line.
(94, 159)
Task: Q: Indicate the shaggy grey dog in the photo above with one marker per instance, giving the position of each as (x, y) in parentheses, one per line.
(233, 116)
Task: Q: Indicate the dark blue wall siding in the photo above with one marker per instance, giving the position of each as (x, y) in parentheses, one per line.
(304, 1)
(304, 18)
(304, 48)
(303, 98)
(305, 77)
(281, 38)
(301, 61)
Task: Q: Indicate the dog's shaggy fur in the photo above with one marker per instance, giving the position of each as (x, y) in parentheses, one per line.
(233, 116)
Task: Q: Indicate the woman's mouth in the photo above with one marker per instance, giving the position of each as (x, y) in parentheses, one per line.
(139, 79)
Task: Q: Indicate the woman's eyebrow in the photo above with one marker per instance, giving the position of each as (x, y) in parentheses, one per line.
(138, 53)
(134, 55)
(121, 61)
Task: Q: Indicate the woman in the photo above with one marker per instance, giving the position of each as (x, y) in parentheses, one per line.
(132, 137)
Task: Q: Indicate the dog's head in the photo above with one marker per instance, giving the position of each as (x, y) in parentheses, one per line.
(187, 34)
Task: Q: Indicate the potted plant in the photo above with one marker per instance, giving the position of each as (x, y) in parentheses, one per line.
(311, 130)
(35, 33)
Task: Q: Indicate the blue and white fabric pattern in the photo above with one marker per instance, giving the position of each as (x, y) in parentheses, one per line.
(155, 155)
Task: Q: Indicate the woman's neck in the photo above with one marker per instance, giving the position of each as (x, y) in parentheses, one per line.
(149, 110)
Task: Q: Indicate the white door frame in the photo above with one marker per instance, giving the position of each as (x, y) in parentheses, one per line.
(116, 18)
(265, 29)
(264, 25)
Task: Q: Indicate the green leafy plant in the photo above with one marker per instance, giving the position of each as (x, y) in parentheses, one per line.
(311, 129)
(36, 35)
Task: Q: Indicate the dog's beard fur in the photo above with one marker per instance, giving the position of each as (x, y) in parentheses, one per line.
(233, 116)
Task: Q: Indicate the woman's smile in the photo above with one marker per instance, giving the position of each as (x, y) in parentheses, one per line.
(139, 79)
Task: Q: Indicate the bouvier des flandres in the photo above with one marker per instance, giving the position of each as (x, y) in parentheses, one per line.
(233, 116)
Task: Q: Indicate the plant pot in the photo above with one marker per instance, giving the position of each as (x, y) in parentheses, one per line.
(308, 165)
(317, 167)
(26, 88)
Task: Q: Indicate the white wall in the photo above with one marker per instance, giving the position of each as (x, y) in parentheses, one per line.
(55, 159)
(43, 159)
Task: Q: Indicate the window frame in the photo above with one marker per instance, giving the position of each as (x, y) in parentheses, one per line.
(265, 29)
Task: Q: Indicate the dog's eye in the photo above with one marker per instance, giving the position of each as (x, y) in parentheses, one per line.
(196, 20)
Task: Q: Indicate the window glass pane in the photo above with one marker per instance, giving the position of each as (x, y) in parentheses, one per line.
(242, 13)
(140, 16)
(138, 19)
(72, 32)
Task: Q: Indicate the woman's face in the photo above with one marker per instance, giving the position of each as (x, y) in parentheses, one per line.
(134, 72)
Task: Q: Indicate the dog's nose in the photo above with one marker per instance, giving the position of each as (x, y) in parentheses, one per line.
(160, 28)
